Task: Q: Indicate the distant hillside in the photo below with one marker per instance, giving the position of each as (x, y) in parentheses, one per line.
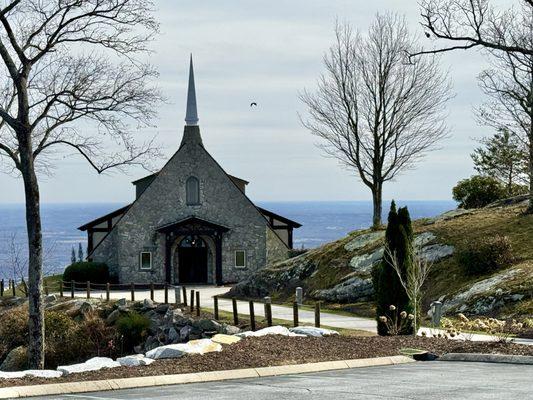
(339, 272)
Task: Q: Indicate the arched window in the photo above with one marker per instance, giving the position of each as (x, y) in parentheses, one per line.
(192, 187)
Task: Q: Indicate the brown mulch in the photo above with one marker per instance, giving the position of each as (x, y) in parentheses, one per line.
(279, 350)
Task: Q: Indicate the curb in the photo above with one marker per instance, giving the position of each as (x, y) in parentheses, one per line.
(488, 358)
(146, 381)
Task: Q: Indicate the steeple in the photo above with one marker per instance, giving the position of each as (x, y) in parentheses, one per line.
(191, 116)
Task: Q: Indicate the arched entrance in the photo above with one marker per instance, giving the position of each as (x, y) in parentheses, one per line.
(192, 259)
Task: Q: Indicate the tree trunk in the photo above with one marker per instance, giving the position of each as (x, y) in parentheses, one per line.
(530, 207)
(377, 205)
(35, 263)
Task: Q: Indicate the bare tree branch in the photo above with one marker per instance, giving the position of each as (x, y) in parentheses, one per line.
(377, 113)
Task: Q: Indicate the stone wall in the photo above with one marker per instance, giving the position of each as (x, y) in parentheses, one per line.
(277, 250)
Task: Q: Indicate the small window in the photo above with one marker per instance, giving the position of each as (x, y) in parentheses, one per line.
(240, 258)
(146, 260)
(192, 188)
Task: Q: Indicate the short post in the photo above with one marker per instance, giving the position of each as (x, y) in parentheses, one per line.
(299, 296)
(252, 315)
(235, 314)
(132, 290)
(317, 314)
(166, 293)
(88, 289)
(192, 300)
(46, 291)
(436, 313)
(177, 295)
(197, 303)
(2, 288)
(107, 290)
(152, 291)
(295, 313)
(60, 288)
(268, 310)
(184, 290)
(13, 287)
(72, 288)
(215, 306)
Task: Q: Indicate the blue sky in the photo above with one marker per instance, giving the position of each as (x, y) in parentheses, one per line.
(268, 52)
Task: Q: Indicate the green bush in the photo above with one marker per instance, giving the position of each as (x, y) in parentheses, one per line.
(486, 255)
(88, 271)
(478, 191)
(62, 344)
(387, 286)
(13, 330)
(133, 329)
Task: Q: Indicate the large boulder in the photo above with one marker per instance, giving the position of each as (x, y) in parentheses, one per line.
(364, 240)
(271, 330)
(93, 364)
(349, 291)
(313, 331)
(16, 360)
(225, 339)
(208, 325)
(35, 373)
(200, 346)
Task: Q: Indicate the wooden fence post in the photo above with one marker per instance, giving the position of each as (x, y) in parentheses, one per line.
(317, 314)
(295, 313)
(268, 310)
(192, 301)
(72, 288)
(166, 293)
(197, 303)
(2, 288)
(14, 288)
(235, 314)
(252, 315)
(46, 291)
(132, 289)
(152, 291)
(61, 288)
(184, 289)
(215, 305)
(88, 289)
(107, 290)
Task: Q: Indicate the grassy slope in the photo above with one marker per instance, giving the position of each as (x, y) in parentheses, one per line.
(446, 278)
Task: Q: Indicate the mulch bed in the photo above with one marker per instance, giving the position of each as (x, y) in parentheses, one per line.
(279, 350)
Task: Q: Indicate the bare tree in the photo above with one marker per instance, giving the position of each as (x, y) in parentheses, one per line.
(414, 278)
(509, 86)
(66, 62)
(507, 36)
(377, 113)
(467, 24)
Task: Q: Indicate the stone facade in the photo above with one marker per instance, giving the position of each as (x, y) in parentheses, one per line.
(163, 202)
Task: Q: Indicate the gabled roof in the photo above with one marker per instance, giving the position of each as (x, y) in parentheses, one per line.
(233, 178)
(104, 218)
(191, 220)
(287, 221)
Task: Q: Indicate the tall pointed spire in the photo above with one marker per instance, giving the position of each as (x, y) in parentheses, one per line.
(191, 116)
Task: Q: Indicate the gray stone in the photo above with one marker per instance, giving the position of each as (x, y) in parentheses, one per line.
(185, 332)
(363, 263)
(351, 290)
(113, 317)
(173, 335)
(148, 304)
(50, 298)
(121, 302)
(86, 307)
(16, 359)
(206, 325)
(201, 346)
(313, 331)
(364, 240)
(134, 360)
(436, 252)
(162, 308)
(423, 239)
(229, 329)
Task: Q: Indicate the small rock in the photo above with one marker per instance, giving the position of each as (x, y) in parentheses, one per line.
(93, 364)
(225, 339)
(86, 307)
(134, 360)
(121, 303)
(229, 329)
(50, 298)
(206, 325)
(113, 317)
(173, 335)
(148, 304)
(185, 332)
(162, 308)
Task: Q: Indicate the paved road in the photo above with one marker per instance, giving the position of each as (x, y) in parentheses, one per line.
(434, 380)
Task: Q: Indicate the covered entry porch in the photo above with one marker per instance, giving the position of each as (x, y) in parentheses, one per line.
(193, 251)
